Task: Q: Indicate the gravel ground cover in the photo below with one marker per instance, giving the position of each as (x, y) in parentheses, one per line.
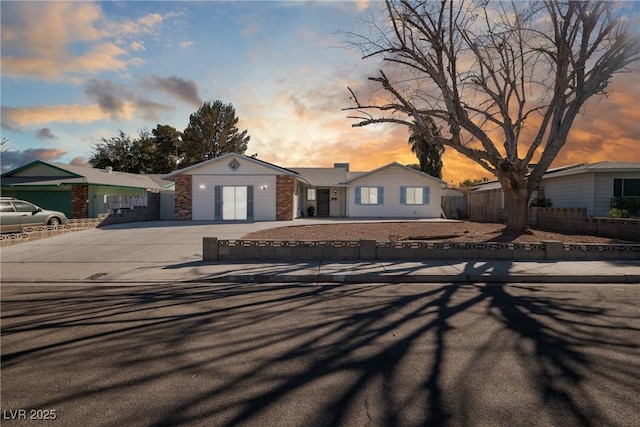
(463, 231)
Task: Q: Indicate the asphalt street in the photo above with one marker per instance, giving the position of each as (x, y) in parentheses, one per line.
(203, 354)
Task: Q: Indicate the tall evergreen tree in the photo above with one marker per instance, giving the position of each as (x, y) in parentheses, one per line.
(212, 132)
(167, 142)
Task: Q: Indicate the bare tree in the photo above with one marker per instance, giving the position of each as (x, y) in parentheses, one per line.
(505, 80)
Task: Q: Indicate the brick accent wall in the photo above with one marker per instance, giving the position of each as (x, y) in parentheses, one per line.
(184, 197)
(285, 188)
(79, 201)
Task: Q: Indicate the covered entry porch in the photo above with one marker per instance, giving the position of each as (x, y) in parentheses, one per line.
(322, 201)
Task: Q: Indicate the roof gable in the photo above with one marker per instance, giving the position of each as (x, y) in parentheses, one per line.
(357, 176)
(41, 168)
(229, 163)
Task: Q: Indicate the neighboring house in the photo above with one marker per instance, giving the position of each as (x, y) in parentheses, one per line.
(79, 192)
(598, 187)
(237, 187)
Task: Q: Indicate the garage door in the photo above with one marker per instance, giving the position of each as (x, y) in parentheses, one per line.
(48, 199)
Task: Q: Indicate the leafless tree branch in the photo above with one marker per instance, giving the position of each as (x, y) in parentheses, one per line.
(488, 70)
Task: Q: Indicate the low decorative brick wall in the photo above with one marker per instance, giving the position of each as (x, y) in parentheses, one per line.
(36, 233)
(297, 250)
(575, 220)
(137, 214)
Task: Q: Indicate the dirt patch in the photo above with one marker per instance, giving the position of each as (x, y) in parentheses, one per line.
(416, 230)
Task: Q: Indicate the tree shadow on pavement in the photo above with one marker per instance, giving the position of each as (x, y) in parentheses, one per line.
(302, 354)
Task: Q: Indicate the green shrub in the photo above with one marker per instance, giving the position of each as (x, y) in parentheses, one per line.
(541, 203)
(618, 213)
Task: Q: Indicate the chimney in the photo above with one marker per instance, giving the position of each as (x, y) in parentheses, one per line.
(342, 165)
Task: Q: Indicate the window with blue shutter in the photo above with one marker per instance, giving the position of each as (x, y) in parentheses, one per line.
(414, 195)
(217, 209)
(250, 202)
(369, 196)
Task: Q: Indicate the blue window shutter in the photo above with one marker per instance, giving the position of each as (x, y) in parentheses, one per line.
(381, 195)
(358, 202)
(218, 202)
(403, 195)
(250, 202)
(425, 196)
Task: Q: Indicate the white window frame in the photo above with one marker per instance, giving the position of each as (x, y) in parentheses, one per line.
(369, 196)
(414, 196)
(311, 194)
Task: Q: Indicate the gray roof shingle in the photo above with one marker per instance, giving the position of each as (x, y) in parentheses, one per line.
(86, 175)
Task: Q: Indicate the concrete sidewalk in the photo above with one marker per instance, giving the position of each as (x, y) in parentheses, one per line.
(156, 252)
(431, 271)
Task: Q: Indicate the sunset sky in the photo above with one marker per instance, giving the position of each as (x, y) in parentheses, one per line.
(75, 72)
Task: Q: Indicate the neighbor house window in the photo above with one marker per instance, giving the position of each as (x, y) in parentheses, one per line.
(414, 195)
(369, 195)
(626, 187)
(311, 193)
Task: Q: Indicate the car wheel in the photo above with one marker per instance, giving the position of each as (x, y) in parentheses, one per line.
(55, 221)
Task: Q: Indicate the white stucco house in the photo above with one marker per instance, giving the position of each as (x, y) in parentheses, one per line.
(234, 187)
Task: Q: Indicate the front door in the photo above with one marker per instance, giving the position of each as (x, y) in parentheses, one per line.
(323, 202)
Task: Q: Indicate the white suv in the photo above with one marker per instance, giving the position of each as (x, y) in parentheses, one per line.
(17, 214)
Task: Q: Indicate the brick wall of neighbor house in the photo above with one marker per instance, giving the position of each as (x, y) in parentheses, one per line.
(184, 197)
(79, 201)
(285, 187)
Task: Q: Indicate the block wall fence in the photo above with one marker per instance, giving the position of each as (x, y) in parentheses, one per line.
(214, 249)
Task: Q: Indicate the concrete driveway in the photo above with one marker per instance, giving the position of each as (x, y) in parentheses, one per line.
(161, 241)
(153, 241)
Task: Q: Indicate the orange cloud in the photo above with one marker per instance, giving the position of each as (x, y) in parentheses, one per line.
(34, 116)
(608, 129)
(42, 48)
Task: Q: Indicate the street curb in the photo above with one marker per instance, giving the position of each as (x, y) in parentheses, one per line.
(361, 278)
(419, 278)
